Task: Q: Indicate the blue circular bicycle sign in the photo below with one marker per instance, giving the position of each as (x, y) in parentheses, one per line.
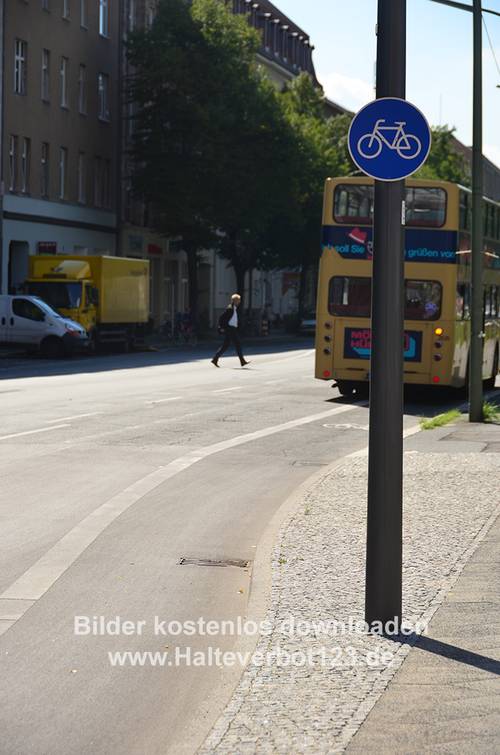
(389, 139)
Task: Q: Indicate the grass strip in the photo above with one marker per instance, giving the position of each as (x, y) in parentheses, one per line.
(440, 419)
(491, 412)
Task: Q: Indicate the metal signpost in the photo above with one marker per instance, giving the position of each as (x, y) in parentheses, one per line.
(389, 139)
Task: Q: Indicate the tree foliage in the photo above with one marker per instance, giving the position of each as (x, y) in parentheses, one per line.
(444, 162)
(320, 151)
(224, 159)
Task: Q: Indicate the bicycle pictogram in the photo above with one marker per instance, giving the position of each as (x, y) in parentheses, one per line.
(406, 145)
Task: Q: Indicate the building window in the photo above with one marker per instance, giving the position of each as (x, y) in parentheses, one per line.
(66, 9)
(82, 194)
(82, 90)
(104, 18)
(284, 42)
(12, 163)
(44, 170)
(267, 31)
(45, 5)
(131, 15)
(150, 14)
(25, 166)
(21, 51)
(103, 96)
(45, 75)
(83, 14)
(64, 82)
(63, 169)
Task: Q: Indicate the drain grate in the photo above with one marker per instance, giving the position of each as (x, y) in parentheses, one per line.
(237, 562)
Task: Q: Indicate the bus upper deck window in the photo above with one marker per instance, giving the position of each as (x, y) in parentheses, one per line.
(353, 203)
(425, 207)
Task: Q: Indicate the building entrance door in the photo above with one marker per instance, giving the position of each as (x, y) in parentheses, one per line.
(19, 252)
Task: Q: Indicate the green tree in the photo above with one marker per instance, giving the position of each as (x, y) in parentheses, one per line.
(211, 146)
(320, 151)
(257, 152)
(172, 152)
(444, 163)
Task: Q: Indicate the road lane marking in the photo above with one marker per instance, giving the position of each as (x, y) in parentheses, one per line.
(226, 390)
(274, 382)
(163, 400)
(75, 416)
(40, 577)
(33, 432)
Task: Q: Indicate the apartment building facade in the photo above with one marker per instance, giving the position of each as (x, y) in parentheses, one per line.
(59, 145)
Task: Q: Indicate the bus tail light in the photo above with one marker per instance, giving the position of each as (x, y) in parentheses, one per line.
(437, 357)
(328, 339)
(327, 373)
(436, 379)
(438, 331)
(328, 325)
(438, 344)
(327, 351)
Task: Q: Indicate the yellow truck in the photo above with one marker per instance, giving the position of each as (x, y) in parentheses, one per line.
(109, 296)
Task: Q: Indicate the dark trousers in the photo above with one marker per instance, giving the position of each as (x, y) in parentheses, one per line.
(231, 337)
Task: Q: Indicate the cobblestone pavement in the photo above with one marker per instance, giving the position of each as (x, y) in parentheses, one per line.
(317, 703)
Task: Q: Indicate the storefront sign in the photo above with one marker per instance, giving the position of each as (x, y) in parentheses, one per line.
(47, 247)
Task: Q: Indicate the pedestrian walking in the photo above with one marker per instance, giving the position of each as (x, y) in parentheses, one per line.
(229, 323)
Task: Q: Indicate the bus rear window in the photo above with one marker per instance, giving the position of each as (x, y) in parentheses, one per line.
(352, 297)
(425, 206)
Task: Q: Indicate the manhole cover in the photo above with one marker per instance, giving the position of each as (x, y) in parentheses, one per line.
(237, 562)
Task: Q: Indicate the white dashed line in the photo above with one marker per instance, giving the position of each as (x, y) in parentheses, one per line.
(163, 400)
(33, 432)
(75, 416)
(226, 390)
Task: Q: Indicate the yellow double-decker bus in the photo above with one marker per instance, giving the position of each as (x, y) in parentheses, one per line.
(437, 285)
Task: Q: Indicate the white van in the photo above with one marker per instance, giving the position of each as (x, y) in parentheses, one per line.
(28, 321)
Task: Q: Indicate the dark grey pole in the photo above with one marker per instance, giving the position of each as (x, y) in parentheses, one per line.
(385, 466)
(476, 339)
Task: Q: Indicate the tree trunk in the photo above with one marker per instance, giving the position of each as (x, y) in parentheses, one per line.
(240, 281)
(191, 250)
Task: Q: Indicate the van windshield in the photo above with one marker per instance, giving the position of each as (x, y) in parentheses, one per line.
(58, 294)
(46, 307)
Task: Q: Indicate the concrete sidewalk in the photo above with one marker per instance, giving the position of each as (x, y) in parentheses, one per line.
(446, 695)
(353, 691)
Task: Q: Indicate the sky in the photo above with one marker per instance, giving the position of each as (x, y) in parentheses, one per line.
(439, 59)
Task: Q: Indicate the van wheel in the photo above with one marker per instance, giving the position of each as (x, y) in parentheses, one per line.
(52, 348)
(490, 383)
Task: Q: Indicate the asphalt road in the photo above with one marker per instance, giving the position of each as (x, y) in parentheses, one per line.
(112, 470)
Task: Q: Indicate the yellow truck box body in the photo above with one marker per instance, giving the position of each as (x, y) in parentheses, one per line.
(122, 282)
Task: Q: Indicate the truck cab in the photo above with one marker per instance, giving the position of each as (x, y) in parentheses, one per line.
(68, 288)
